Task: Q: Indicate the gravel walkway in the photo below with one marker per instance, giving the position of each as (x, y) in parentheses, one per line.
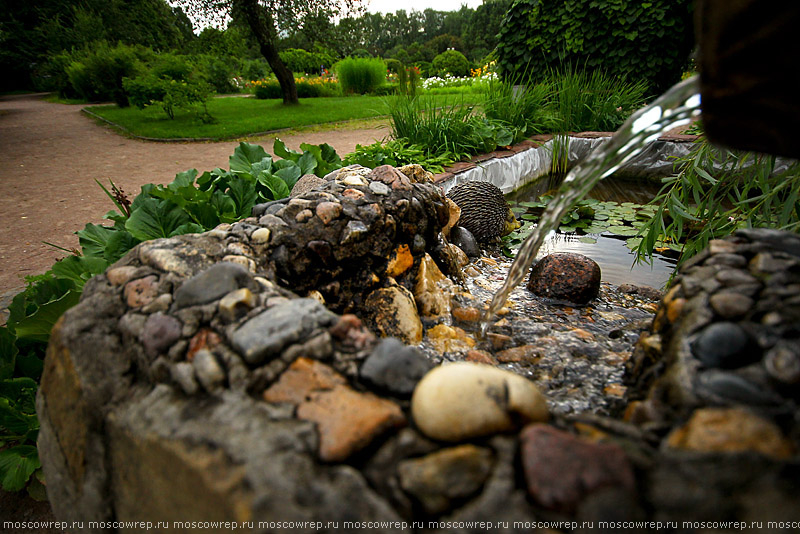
(52, 153)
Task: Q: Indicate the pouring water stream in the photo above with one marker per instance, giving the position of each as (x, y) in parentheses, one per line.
(674, 108)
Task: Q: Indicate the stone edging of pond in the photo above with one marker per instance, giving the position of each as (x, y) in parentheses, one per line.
(529, 160)
(189, 384)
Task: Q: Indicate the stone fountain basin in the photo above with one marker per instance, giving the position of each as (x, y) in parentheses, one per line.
(190, 385)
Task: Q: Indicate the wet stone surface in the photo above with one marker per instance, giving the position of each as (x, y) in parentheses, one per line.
(236, 375)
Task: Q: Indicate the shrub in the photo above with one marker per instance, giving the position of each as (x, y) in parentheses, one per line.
(52, 76)
(98, 75)
(451, 62)
(637, 40)
(361, 75)
(306, 88)
(266, 89)
(394, 65)
(171, 66)
(361, 53)
(218, 72)
(303, 61)
(254, 69)
(149, 90)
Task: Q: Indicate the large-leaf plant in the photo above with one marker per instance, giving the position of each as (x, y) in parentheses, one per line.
(189, 204)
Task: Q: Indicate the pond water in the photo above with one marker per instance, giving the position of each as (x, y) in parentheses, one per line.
(610, 251)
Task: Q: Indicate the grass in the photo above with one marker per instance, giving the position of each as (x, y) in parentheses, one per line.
(240, 117)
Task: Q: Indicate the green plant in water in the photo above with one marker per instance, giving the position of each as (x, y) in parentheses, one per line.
(715, 192)
(588, 219)
(559, 154)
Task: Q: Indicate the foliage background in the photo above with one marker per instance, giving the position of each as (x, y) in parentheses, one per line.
(638, 40)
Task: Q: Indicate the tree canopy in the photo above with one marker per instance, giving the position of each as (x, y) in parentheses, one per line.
(268, 21)
(32, 31)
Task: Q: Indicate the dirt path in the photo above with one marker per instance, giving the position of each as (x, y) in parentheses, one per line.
(52, 153)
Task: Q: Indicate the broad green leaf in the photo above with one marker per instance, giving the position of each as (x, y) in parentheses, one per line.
(276, 187)
(224, 206)
(243, 193)
(188, 228)
(265, 165)
(289, 175)
(218, 178)
(282, 164)
(154, 219)
(244, 156)
(183, 179)
(118, 245)
(205, 213)
(588, 240)
(13, 422)
(36, 489)
(37, 326)
(29, 363)
(144, 194)
(94, 238)
(330, 156)
(307, 163)
(280, 150)
(79, 268)
(8, 352)
(44, 289)
(21, 392)
(17, 464)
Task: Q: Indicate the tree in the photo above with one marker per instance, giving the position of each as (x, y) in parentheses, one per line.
(482, 29)
(33, 32)
(266, 21)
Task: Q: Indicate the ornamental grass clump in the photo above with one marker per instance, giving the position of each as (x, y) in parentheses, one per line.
(361, 75)
(523, 107)
(594, 101)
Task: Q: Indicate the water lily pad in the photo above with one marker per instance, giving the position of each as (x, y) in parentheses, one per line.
(530, 217)
(567, 229)
(633, 242)
(596, 228)
(623, 230)
(588, 240)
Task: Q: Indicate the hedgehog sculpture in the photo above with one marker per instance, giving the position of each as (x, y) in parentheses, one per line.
(484, 210)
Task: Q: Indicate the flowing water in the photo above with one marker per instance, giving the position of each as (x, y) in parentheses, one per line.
(674, 108)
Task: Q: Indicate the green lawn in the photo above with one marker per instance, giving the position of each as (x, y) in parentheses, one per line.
(240, 117)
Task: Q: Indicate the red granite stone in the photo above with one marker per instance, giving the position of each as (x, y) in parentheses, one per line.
(561, 469)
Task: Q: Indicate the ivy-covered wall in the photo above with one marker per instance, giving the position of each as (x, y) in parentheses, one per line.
(641, 40)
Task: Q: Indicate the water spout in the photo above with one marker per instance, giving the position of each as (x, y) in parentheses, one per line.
(674, 108)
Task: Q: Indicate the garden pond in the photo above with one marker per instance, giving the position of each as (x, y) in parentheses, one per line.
(603, 226)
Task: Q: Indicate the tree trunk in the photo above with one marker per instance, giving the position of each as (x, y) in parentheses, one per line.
(263, 27)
